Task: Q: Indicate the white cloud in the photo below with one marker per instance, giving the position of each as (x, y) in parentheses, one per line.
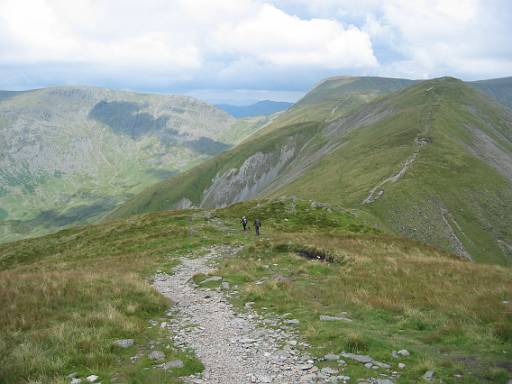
(270, 44)
(271, 35)
(178, 34)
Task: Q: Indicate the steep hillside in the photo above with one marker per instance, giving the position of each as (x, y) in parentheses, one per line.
(304, 119)
(432, 161)
(336, 96)
(73, 295)
(70, 154)
(435, 164)
(261, 108)
(499, 89)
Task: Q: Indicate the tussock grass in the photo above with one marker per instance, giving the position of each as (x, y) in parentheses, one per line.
(399, 294)
(66, 297)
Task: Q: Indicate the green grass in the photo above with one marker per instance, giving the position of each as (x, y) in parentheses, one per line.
(84, 158)
(447, 312)
(445, 174)
(69, 295)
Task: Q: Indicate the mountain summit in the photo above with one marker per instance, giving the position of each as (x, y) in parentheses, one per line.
(431, 161)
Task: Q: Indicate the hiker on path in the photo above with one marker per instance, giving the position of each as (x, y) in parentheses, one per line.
(244, 222)
(257, 225)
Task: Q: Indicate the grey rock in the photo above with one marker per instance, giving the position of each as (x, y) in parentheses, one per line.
(211, 279)
(306, 366)
(331, 357)
(404, 352)
(381, 365)
(92, 378)
(173, 364)
(124, 343)
(383, 381)
(156, 355)
(401, 365)
(225, 285)
(333, 318)
(75, 380)
(359, 358)
(292, 322)
(368, 365)
(265, 379)
(308, 378)
(329, 371)
(428, 376)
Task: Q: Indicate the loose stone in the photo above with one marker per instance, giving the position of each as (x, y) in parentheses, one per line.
(124, 343)
(333, 318)
(156, 355)
(429, 375)
(173, 364)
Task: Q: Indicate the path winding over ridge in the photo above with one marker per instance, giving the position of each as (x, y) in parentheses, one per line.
(234, 348)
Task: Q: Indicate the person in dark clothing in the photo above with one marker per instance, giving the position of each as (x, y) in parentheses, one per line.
(244, 222)
(257, 225)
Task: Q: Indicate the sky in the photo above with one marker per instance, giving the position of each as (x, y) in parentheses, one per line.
(241, 51)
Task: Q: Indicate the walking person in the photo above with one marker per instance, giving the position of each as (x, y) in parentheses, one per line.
(257, 225)
(244, 222)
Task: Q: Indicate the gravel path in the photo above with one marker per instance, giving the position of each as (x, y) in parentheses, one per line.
(235, 348)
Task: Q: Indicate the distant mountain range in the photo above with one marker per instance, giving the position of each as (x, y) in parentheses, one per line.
(261, 108)
(70, 154)
(431, 160)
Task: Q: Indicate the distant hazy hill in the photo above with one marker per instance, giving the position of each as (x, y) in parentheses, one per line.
(261, 108)
(431, 160)
(69, 154)
(499, 89)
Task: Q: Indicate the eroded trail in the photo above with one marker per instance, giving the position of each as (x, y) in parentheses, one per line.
(234, 348)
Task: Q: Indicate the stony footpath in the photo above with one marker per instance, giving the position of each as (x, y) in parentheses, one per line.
(235, 347)
(243, 347)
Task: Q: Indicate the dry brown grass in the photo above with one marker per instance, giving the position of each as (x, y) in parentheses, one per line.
(400, 276)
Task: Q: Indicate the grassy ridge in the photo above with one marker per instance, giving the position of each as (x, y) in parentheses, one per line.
(445, 176)
(456, 191)
(311, 109)
(70, 294)
(398, 295)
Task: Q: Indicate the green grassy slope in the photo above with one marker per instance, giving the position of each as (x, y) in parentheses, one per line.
(70, 154)
(325, 96)
(336, 96)
(437, 156)
(69, 295)
(448, 196)
(191, 185)
(499, 89)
